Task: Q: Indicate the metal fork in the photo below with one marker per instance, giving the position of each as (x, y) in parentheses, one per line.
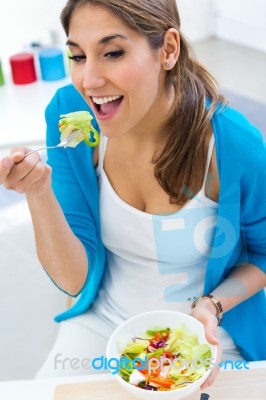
(65, 143)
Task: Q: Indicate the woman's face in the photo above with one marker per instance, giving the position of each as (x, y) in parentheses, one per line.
(117, 73)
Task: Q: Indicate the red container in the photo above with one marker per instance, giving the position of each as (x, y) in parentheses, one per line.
(23, 68)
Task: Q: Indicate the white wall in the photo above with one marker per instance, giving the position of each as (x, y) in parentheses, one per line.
(242, 21)
(38, 20)
(197, 20)
(24, 21)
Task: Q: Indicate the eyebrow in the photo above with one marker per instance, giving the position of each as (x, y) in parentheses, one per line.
(104, 40)
(108, 39)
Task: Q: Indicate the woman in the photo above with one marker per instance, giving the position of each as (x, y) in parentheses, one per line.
(172, 204)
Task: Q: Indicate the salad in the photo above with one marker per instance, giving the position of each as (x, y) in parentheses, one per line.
(71, 122)
(164, 359)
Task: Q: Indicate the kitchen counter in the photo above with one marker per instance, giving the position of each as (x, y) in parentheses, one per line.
(22, 111)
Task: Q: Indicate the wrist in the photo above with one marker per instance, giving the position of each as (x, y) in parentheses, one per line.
(210, 303)
(207, 305)
(42, 194)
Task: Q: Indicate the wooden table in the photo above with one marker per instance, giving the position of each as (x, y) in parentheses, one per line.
(230, 385)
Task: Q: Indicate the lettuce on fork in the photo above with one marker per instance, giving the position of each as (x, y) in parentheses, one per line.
(79, 120)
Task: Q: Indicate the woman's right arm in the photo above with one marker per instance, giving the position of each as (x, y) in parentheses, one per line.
(60, 251)
(64, 211)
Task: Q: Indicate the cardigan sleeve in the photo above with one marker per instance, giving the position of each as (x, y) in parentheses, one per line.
(253, 208)
(65, 184)
(241, 160)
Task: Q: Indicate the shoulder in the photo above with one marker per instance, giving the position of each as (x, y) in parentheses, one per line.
(232, 126)
(238, 142)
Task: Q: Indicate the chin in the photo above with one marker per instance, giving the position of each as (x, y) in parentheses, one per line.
(112, 134)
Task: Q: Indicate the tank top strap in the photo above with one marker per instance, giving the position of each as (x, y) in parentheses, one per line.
(102, 150)
(209, 156)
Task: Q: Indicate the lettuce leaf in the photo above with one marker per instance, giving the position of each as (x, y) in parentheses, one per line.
(79, 120)
(136, 346)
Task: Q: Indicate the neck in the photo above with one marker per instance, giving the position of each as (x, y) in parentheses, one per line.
(150, 132)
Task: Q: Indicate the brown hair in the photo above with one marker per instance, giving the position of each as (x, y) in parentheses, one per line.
(181, 164)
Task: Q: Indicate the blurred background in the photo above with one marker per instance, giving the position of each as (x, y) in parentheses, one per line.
(228, 36)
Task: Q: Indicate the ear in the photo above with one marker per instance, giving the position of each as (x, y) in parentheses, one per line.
(170, 49)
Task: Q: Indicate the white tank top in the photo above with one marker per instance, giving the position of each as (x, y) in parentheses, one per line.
(154, 261)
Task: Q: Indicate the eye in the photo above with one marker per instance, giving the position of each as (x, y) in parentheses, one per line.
(77, 59)
(114, 54)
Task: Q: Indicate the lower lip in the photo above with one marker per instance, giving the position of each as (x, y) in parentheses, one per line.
(105, 117)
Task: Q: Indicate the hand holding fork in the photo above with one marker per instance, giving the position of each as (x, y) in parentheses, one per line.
(64, 143)
(31, 177)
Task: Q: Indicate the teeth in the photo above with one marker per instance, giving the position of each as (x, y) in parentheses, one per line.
(103, 100)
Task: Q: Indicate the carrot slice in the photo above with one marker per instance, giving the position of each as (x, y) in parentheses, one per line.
(160, 380)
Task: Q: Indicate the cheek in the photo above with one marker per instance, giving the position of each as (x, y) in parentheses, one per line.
(76, 77)
(140, 70)
(136, 79)
(129, 76)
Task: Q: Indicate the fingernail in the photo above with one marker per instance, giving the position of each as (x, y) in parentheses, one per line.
(16, 154)
(16, 157)
(214, 338)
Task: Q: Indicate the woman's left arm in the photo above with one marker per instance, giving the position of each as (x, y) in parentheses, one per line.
(249, 277)
(243, 282)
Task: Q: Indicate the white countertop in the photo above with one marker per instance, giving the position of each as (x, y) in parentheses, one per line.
(22, 111)
(43, 389)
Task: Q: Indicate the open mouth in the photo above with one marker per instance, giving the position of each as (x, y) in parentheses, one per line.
(107, 106)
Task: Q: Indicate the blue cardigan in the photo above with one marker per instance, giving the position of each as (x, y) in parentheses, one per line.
(241, 229)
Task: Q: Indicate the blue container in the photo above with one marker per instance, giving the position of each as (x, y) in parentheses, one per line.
(52, 64)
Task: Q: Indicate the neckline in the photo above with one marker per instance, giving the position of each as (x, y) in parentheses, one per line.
(200, 196)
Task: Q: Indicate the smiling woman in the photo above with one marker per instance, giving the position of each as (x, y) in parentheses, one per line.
(119, 61)
(160, 215)
(111, 64)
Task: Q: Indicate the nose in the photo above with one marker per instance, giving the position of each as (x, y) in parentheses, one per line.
(93, 77)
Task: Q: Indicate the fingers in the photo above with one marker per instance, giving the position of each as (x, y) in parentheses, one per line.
(210, 326)
(21, 168)
(27, 175)
(5, 167)
(28, 182)
(209, 321)
(7, 164)
(17, 157)
(21, 150)
(216, 369)
(41, 185)
(17, 153)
